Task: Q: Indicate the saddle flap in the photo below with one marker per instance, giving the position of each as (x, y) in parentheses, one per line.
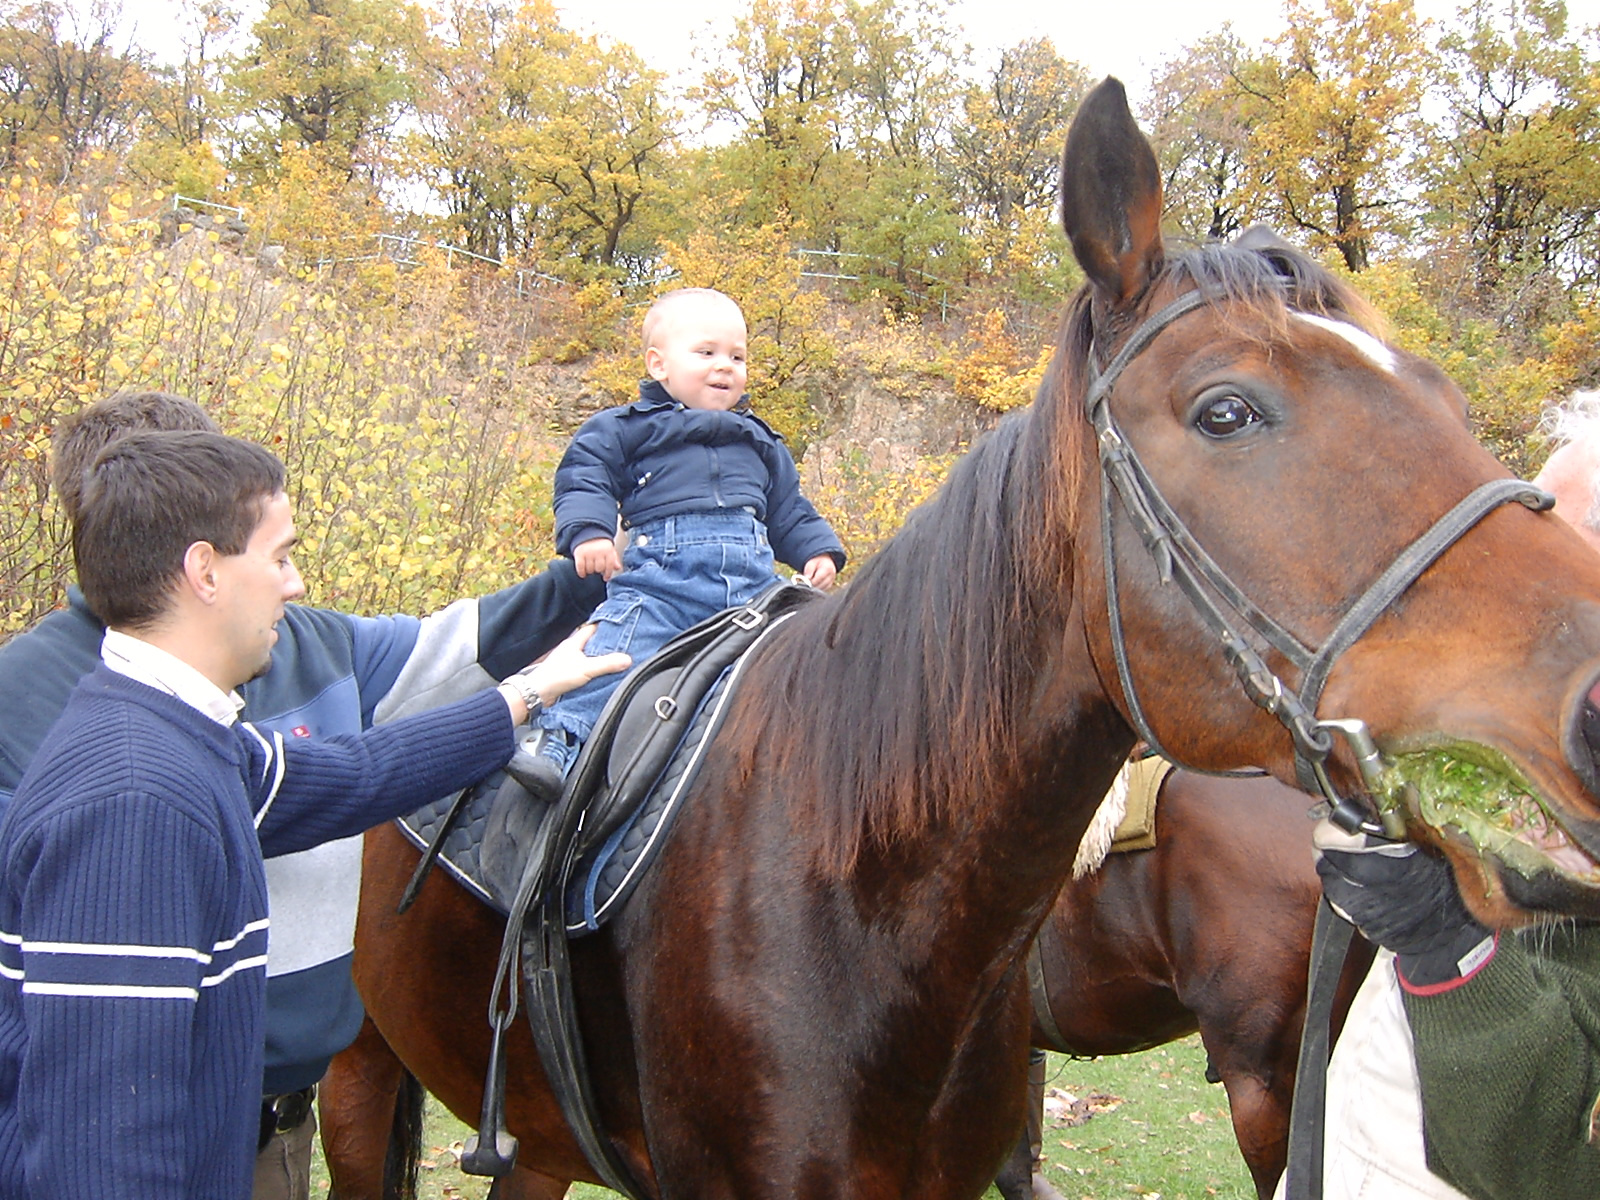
(644, 710)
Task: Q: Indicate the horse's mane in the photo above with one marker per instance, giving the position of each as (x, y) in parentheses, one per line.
(885, 710)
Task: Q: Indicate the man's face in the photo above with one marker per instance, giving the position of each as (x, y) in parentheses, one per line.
(698, 353)
(253, 587)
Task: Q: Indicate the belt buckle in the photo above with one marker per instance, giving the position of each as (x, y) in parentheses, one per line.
(290, 1110)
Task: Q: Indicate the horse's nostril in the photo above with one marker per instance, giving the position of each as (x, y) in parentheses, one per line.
(1582, 741)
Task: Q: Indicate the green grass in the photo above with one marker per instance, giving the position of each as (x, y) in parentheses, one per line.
(1156, 1129)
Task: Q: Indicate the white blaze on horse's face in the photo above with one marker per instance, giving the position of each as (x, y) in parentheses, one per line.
(1370, 347)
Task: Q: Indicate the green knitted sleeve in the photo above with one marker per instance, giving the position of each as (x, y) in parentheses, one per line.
(1510, 1070)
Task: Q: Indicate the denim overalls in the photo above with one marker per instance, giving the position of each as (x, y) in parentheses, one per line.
(676, 572)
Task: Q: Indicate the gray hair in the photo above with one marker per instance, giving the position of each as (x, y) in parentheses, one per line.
(1575, 421)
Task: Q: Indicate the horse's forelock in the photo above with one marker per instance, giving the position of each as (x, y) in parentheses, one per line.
(1267, 284)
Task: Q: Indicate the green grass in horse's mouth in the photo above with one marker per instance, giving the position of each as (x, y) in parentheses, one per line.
(1478, 792)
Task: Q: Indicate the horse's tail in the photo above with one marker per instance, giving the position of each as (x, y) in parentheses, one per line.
(405, 1141)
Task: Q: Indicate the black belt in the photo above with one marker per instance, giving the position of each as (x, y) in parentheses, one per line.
(285, 1113)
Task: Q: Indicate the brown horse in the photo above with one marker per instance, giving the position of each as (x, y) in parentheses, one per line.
(1208, 931)
(817, 990)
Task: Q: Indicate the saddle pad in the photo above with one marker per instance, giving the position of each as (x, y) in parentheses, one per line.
(1126, 817)
(1137, 830)
(604, 879)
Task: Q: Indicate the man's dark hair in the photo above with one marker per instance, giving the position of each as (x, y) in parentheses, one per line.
(79, 441)
(147, 499)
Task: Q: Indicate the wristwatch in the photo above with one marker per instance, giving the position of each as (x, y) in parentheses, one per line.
(522, 684)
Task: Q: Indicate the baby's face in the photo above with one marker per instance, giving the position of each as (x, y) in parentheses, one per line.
(699, 353)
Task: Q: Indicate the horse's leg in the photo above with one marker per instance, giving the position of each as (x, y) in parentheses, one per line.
(1019, 1177)
(358, 1103)
(1260, 1125)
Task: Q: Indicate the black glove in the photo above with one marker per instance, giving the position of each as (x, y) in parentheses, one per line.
(1404, 900)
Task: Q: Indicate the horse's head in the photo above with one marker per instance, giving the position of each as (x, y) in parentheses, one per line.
(1278, 480)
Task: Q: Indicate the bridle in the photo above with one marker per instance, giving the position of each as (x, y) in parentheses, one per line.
(1224, 608)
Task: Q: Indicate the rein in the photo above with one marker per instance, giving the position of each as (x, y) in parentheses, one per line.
(1223, 606)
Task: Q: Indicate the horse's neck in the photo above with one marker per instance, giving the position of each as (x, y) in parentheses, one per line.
(985, 877)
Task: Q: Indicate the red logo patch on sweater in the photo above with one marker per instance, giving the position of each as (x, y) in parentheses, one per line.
(300, 731)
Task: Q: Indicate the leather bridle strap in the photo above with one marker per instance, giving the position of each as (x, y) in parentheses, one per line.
(1224, 607)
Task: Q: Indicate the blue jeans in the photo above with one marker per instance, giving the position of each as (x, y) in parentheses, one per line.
(676, 572)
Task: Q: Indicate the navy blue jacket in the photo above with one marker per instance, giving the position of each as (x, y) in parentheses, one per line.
(657, 458)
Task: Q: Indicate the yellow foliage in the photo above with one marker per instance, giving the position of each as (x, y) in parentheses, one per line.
(866, 507)
(406, 437)
(992, 368)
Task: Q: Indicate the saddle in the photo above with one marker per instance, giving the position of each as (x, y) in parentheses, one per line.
(590, 850)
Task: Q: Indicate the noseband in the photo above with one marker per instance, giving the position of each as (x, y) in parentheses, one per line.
(1224, 607)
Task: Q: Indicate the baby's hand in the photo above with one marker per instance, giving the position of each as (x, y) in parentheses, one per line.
(820, 571)
(597, 556)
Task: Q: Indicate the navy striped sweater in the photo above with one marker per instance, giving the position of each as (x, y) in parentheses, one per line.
(134, 925)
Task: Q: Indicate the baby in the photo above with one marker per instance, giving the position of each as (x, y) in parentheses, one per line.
(707, 492)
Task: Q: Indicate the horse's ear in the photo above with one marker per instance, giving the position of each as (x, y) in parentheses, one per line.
(1262, 238)
(1111, 196)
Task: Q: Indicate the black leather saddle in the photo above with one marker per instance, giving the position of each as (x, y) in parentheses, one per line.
(594, 845)
(629, 781)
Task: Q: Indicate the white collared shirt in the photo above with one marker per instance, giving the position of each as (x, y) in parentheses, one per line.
(155, 667)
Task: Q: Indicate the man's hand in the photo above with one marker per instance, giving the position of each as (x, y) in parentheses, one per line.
(558, 672)
(1405, 900)
(597, 556)
(820, 571)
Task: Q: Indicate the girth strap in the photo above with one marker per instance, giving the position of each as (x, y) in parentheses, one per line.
(1039, 992)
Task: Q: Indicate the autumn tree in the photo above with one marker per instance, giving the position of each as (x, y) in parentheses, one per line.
(783, 83)
(327, 73)
(66, 89)
(186, 136)
(542, 144)
(1005, 160)
(1200, 122)
(1341, 89)
(1007, 153)
(1511, 172)
(904, 220)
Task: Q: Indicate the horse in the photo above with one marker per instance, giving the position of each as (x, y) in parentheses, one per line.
(818, 989)
(1208, 931)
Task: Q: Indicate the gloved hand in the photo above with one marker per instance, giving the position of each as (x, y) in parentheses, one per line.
(1405, 900)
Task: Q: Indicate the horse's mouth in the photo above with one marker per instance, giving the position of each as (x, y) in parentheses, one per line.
(1478, 794)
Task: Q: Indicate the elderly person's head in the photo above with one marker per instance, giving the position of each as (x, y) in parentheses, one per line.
(1572, 472)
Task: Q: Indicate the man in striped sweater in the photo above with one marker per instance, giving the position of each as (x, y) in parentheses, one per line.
(133, 898)
(332, 673)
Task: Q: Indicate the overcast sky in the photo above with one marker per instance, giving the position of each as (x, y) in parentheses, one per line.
(1126, 38)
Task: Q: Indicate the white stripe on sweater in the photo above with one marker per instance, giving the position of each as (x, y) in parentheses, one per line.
(110, 991)
(243, 964)
(274, 753)
(135, 951)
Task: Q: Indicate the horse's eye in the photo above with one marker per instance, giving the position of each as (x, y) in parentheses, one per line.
(1225, 416)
